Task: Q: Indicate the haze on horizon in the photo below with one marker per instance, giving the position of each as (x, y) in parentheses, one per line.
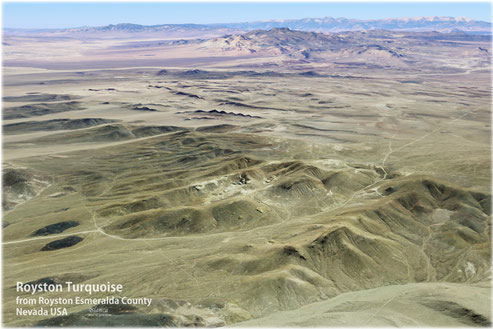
(68, 15)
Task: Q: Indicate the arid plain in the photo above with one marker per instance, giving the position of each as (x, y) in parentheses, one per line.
(270, 178)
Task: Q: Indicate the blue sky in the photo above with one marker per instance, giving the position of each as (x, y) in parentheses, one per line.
(73, 14)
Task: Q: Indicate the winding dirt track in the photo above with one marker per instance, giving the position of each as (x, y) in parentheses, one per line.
(350, 199)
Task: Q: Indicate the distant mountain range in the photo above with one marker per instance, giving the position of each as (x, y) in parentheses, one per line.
(329, 24)
(326, 24)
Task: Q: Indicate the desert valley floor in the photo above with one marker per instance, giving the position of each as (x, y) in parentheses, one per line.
(255, 187)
